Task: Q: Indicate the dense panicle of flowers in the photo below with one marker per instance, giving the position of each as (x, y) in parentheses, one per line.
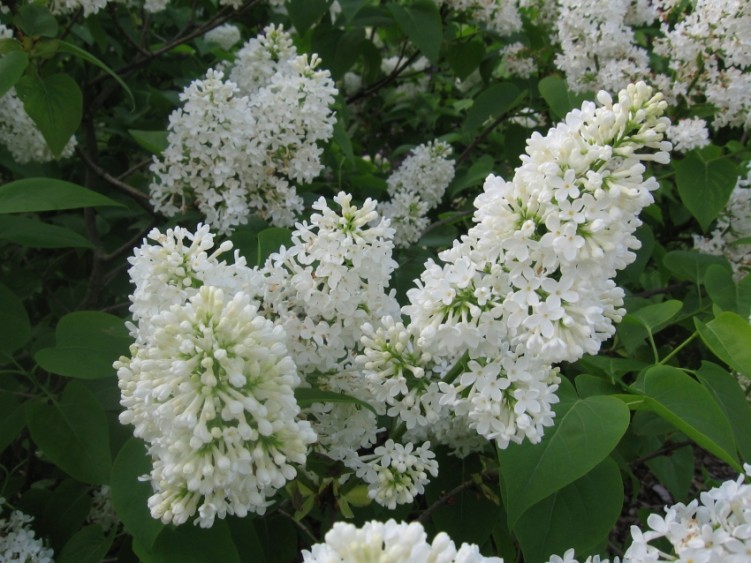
(732, 227)
(531, 284)
(238, 146)
(396, 542)
(500, 16)
(516, 57)
(209, 383)
(709, 55)
(18, 542)
(416, 187)
(688, 134)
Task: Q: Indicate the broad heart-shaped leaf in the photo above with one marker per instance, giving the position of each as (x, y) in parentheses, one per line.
(421, 22)
(579, 516)
(55, 104)
(88, 545)
(688, 406)
(675, 471)
(305, 13)
(15, 330)
(191, 544)
(86, 345)
(37, 234)
(559, 98)
(48, 194)
(692, 266)
(153, 141)
(726, 293)
(649, 320)
(130, 495)
(731, 398)
(465, 56)
(704, 183)
(12, 66)
(729, 337)
(490, 103)
(306, 396)
(36, 20)
(73, 434)
(585, 433)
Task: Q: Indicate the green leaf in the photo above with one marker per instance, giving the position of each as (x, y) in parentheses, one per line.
(15, 330)
(649, 320)
(475, 176)
(492, 102)
(337, 48)
(73, 434)
(11, 419)
(12, 66)
(675, 471)
(341, 137)
(36, 234)
(421, 22)
(728, 336)
(66, 47)
(271, 240)
(153, 141)
(692, 266)
(704, 185)
(559, 98)
(688, 406)
(55, 104)
(48, 194)
(305, 13)
(465, 56)
(732, 399)
(191, 544)
(88, 545)
(585, 433)
(130, 495)
(579, 516)
(86, 345)
(64, 512)
(726, 293)
(36, 20)
(307, 396)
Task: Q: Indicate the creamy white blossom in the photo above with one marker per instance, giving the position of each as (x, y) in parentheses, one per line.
(18, 541)
(226, 36)
(688, 134)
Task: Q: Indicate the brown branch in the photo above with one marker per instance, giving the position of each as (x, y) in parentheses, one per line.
(443, 499)
(139, 196)
(666, 449)
(383, 82)
(480, 138)
(130, 244)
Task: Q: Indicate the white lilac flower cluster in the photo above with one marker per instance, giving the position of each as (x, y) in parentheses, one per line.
(733, 226)
(531, 284)
(597, 46)
(91, 7)
(208, 384)
(688, 134)
(103, 510)
(516, 57)
(414, 78)
(238, 146)
(18, 542)
(226, 36)
(396, 542)
(499, 16)
(709, 56)
(416, 187)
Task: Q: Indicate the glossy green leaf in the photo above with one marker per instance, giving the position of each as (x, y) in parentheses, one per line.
(688, 406)
(306, 396)
(271, 240)
(491, 103)
(191, 544)
(465, 56)
(86, 345)
(690, 265)
(728, 336)
(246, 539)
(130, 495)
(55, 104)
(153, 141)
(421, 22)
(15, 330)
(11, 419)
(88, 545)
(559, 98)
(474, 176)
(48, 194)
(73, 434)
(337, 48)
(64, 512)
(305, 13)
(37, 234)
(649, 320)
(579, 516)
(36, 20)
(732, 399)
(66, 47)
(726, 293)
(704, 184)
(12, 66)
(585, 433)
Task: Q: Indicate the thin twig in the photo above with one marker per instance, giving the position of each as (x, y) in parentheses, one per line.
(459, 215)
(130, 244)
(141, 197)
(443, 499)
(298, 524)
(383, 82)
(480, 138)
(666, 449)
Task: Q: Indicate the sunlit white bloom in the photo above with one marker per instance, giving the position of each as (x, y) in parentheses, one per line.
(211, 392)
(688, 134)
(390, 541)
